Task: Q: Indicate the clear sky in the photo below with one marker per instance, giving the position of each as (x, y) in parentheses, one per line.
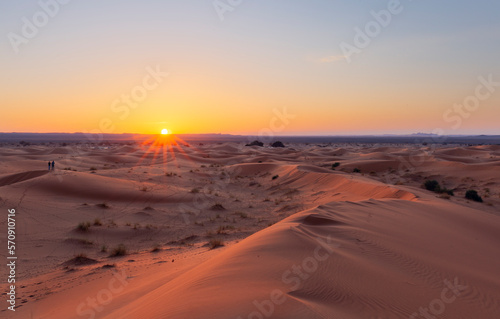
(235, 66)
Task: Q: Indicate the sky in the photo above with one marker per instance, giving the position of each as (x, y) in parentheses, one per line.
(282, 67)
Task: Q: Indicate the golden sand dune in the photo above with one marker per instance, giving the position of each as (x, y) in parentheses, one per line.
(368, 259)
(300, 240)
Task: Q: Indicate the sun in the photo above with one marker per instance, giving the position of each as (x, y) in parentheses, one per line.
(165, 131)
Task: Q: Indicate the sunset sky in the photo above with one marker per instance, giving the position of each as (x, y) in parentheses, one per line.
(237, 66)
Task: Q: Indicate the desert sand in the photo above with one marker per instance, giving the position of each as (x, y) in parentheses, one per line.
(298, 239)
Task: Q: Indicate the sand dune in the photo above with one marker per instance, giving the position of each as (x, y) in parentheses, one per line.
(355, 260)
(300, 240)
(19, 177)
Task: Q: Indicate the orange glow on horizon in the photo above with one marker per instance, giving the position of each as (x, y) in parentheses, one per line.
(160, 149)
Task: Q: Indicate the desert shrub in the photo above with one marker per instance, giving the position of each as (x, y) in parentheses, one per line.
(222, 229)
(242, 214)
(103, 205)
(356, 170)
(255, 143)
(83, 226)
(119, 250)
(473, 195)
(214, 243)
(444, 196)
(275, 177)
(217, 206)
(447, 191)
(81, 256)
(334, 165)
(432, 185)
(97, 222)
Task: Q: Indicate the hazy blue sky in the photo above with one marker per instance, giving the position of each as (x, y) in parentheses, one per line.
(239, 74)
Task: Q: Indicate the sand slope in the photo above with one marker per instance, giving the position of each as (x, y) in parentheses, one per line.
(371, 259)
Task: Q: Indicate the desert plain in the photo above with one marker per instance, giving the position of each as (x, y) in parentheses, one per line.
(223, 230)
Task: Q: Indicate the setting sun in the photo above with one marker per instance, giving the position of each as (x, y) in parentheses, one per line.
(165, 131)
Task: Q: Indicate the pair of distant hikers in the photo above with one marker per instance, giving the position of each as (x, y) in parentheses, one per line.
(51, 165)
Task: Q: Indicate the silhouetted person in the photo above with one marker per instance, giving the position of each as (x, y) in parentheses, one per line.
(53, 164)
(49, 165)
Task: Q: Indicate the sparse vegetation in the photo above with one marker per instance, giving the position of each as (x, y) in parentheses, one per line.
(97, 222)
(214, 243)
(356, 170)
(255, 143)
(335, 165)
(83, 227)
(433, 186)
(80, 260)
(93, 169)
(217, 206)
(80, 241)
(222, 229)
(275, 177)
(119, 250)
(241, 214)
(103, 205)
(444, 196)
(195, 190)
(473, 195)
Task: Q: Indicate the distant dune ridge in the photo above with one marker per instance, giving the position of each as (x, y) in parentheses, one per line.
(123, 233)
